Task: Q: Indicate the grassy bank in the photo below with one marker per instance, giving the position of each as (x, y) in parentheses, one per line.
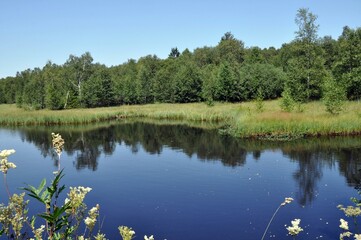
(241, 119)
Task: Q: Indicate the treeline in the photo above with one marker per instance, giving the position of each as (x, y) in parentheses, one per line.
(307, 68)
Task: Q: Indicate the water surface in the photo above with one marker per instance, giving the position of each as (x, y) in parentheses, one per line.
(180, 182)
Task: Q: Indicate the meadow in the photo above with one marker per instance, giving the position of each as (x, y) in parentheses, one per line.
(244, 120)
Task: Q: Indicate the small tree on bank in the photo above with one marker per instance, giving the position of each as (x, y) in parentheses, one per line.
(287, 102)
(334, 96)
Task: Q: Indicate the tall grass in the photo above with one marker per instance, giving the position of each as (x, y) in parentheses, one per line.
(240, 119)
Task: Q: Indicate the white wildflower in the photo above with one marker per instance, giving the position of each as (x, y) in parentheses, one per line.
(6, 153)
(287, 201)
(295, 229)
(344, 224)
(357, 236)
(90, 222)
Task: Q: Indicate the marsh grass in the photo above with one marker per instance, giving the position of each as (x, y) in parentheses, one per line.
(238, 119)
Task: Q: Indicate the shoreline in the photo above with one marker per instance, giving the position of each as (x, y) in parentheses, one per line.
(242, 120)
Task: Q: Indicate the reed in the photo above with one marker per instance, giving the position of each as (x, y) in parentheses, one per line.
(239, 119)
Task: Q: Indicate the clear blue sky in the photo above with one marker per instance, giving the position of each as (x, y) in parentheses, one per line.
(113, 31)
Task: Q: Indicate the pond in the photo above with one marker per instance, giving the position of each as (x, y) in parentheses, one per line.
(182, 182)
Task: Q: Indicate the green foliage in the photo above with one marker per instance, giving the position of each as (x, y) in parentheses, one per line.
(97, 91)
(254, 55)
(225, 72)
(164, 81)
(259, 101)
(307, 27)
(230, 49)
(261, 77)
(78, 71)
(334, 95)
(205, 56)
(187, 84)
(174, 53)
(347, 68)
(303, 59)
(287, 103)
(54, 215)
(34, 92)
(147, 70)
(330, 48)
(210, 88)
(229, 87)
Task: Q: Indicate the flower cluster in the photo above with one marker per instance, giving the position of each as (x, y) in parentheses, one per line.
(295, 229)
(347, 233)
(4, 164)
(58, 143)
(127, 233)
(148, 238)
(76, 197)
(93, 215)
(350, 211)
(13, 216)
(39, 231)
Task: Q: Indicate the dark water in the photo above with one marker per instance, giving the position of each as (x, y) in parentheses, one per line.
(178, 182)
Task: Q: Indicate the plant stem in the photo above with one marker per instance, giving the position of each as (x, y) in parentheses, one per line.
(6, 186)
(269, 223)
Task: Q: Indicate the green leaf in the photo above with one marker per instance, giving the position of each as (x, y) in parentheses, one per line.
(42, 185)
(47, 217)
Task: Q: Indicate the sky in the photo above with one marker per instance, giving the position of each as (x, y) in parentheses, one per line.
(33, 32)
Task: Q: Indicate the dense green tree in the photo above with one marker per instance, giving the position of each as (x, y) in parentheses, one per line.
(205, 56)
(330, 49)
(304, 62)
(164, 80)
(210, 87)
(55, 86)
(334, 95)
(107, 94)
(147, 70)
(347, 68)
(78, 70)
(271, 56)
(97, 90)
(229, 87)
(287, 102)
(254, 55)
(174, 53)
(22, 78)
(230, 49)
(34, 91)
(129, 84)
(124, 80)
(187, 84)
(8, 88)
(261, 77)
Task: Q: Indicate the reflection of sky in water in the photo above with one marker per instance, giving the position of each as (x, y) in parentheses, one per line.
(176, 195)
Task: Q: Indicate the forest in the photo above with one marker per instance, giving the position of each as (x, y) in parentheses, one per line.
(307, 68)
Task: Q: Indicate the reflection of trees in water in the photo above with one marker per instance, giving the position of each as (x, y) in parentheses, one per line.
(312, 155)
(350, 166)
(207, 145)
(88, 145)
(308, 174)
